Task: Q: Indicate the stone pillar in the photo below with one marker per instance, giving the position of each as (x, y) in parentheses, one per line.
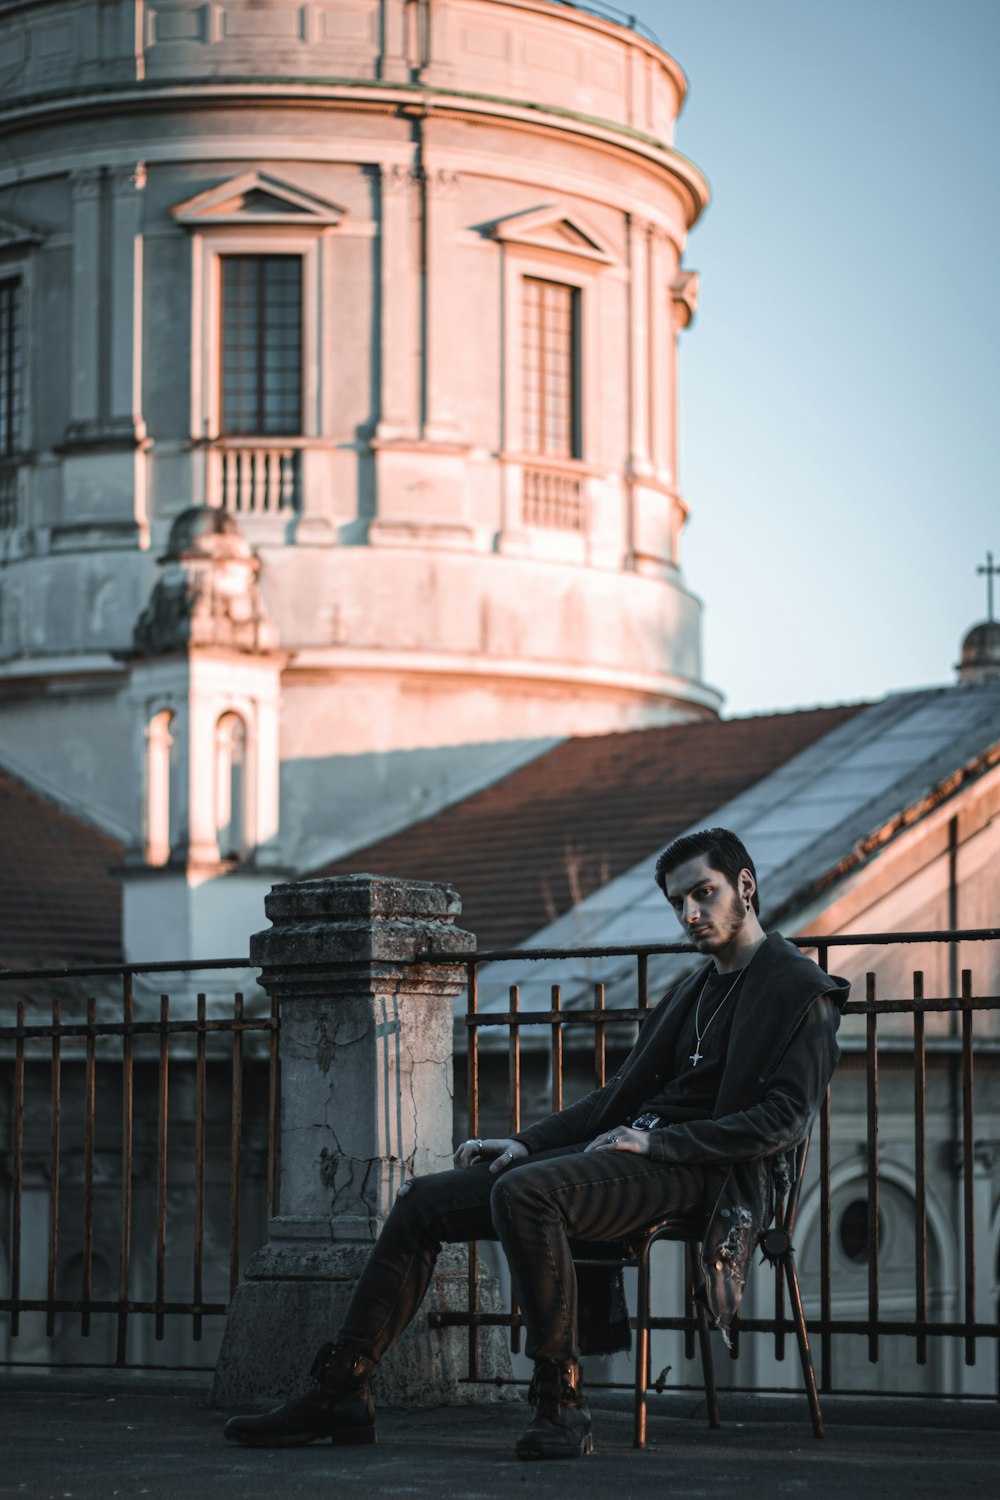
(366, 1103)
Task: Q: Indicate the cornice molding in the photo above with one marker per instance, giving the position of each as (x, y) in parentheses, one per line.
(383, 97)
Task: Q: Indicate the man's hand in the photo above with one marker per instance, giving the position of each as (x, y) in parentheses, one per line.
(622, 1138)
(503, 1153)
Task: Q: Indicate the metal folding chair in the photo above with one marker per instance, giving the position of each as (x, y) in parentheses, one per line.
(777, 1247)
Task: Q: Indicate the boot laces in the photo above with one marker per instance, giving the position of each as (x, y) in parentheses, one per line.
(551, 1388)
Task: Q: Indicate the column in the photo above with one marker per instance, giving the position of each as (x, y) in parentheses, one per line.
(125, 355)
(441, 331)
(662, 358)
(638, 251)
(85, 326)
(394, 62)
(399, 304)
(366, 1102)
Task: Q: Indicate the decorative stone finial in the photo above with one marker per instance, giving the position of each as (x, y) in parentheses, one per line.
(208, 595)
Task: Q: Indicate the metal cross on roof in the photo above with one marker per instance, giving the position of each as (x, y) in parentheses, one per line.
(989, 570)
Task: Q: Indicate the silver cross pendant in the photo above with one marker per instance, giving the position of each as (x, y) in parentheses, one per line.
(696, 1057)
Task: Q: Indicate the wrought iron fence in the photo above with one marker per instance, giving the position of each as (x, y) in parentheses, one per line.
(584, 1027)
(86, 1057)
(121, 1104)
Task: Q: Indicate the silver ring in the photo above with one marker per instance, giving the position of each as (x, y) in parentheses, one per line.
(478, 1145)
(612, 1140)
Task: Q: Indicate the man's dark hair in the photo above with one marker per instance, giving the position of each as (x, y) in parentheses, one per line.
(722, 849)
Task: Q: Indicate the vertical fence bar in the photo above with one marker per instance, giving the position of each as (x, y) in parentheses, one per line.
(50, 1315)
(690, 1305)
(273, 1111)
(161, 1167)
(557, 1050)
(18, 1185)
(514, 1062)
(199, 1167)
(920, 1162)
(514, 1120)
(89, 1100)
(871, 1064)
(825, 1298)
(968, 1167)
(235, 1132)
(642, 980)
(125, 1255)
(779, 1292)
(600, 1067)
(472, 1084)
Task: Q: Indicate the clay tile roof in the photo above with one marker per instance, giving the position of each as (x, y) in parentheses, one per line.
(59, 903)
(524, 850)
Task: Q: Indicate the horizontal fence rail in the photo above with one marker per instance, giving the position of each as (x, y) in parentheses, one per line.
(140, 1187)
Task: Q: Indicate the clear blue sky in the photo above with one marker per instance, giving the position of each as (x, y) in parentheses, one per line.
(839, 384)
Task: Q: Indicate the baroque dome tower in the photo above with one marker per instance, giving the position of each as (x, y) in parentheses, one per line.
(396, 286)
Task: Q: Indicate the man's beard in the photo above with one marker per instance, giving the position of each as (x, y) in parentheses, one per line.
(725, 926)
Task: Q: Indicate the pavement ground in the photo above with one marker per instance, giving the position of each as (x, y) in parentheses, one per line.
(80, 1435)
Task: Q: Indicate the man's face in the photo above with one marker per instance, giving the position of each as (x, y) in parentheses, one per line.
(709, 908)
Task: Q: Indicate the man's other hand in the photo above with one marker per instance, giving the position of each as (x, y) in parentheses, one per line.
(501, 1153)
(622, 1138)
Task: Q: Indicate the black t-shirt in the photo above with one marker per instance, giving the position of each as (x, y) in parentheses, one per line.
(693, 1088)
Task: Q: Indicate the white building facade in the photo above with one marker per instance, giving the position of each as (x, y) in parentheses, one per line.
(338, 450)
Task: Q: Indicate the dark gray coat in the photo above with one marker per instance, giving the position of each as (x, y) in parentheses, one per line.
(781, 1055)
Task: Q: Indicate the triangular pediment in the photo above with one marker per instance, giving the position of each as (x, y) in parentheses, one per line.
(255, 198)
(553, 227)
(17, 232)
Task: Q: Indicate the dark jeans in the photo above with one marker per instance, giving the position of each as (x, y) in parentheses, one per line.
(534, 1209)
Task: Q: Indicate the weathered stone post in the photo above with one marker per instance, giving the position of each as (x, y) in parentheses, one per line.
(366, 1102)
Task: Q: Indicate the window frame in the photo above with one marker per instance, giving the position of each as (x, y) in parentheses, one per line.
(255, 432)
(208, 249)
(19, 270)
(575, 453)
(539, 262)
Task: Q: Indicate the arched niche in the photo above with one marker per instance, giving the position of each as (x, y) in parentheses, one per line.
(232, 801)
(161, 786)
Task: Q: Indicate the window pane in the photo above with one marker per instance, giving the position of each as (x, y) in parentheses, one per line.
(261, 344)
(11, 371)
(549, 368)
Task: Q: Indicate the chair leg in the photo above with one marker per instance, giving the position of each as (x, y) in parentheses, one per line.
(705, 1347)
(641, 1349)
(808, 1373)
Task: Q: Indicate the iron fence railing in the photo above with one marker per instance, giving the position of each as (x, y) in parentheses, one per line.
(101, 1044)
(121, 1105)
(956, 1051)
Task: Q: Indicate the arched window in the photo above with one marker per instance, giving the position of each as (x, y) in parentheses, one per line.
(230, 786)
(160, 759)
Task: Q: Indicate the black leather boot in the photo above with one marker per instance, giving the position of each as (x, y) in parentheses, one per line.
(561, 1424)
(337, 1405)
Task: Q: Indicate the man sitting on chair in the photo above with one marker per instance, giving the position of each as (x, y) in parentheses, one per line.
(703, 1116)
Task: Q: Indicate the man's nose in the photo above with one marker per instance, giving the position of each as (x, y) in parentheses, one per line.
(691, 913)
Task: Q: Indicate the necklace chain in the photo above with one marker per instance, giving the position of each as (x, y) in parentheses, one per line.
(699, 1035)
